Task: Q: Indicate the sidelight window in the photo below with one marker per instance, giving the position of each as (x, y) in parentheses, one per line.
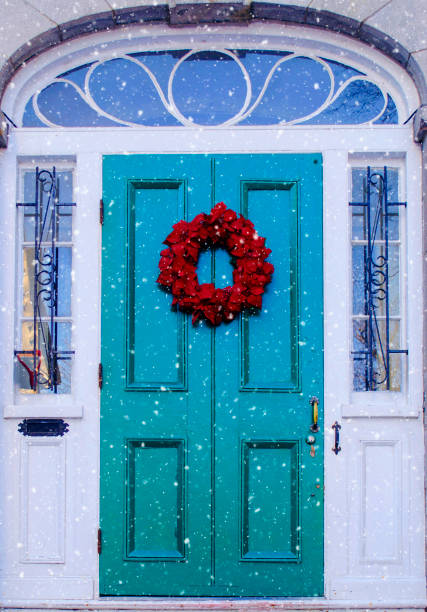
(43, 356)
(377, 217)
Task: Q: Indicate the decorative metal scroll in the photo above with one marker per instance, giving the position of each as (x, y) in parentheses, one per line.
(374, 338)
(210, 87)
(45, 341)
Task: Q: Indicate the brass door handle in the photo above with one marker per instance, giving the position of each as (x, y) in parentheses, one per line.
(314, 403)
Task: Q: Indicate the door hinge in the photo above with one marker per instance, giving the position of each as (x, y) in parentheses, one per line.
(99, 541)
(101, 212)
(100, 376)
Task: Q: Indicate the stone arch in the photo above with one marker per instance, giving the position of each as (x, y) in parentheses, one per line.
(215, 14)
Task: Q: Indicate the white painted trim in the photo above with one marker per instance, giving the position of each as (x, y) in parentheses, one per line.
(31, 411)
(403, 589)
(41, 142)
(206, 603)
(45, 588)
(387, 410)
(53, 527)
(336, 352)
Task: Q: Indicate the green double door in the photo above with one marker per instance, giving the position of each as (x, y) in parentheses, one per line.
(208, 484)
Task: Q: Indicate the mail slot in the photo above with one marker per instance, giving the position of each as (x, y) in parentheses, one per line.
(43, 427)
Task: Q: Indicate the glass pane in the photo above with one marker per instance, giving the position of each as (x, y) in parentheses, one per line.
(28, 264)
(393, 184)
(361, 376)
(359, 223)
(209, 88)
(123, 89)
(360, 296)
(298, 87)
(64, 281)
(45, 288)
(394, 280)
(29, 227)
(369, 374)
(29, 186)
(380, 291)
(64, 194)
(65, 222)
(377, 208)
(359, 102)
(64, 105)
(39, 372)
(390, 114)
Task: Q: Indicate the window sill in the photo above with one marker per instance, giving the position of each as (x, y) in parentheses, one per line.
(382, 409)
(26, 411)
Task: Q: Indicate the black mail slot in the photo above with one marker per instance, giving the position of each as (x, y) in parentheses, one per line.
(43, 427)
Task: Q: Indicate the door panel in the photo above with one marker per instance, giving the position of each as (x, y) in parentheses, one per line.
(208, 486)
(276, 354)
(150, 422)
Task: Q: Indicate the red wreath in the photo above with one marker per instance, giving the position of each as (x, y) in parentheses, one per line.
(178, 263)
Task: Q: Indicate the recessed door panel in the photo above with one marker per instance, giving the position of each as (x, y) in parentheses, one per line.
(270, 503)
(155, 507)
(156, 346)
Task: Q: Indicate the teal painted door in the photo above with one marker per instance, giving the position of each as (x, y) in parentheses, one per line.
(208, 486)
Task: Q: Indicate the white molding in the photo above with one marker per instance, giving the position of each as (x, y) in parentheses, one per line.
(336, 352)
(355, 589)
(173, 604)
(387, 410)
(381, 504)
(42, 504)
(414, 270)
(30, 411)
(40, 589)
(44, 143)
(407, 520)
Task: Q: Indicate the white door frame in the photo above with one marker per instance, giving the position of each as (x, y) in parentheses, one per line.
(346, 577)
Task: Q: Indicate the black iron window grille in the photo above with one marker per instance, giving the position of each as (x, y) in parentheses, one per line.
(376, 254)
(43, 363)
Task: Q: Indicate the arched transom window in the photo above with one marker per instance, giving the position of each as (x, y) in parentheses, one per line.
(211, 86)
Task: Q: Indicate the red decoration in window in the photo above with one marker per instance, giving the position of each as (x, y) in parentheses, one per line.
(237, 235)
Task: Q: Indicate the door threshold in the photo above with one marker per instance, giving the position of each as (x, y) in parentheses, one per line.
(253, 604)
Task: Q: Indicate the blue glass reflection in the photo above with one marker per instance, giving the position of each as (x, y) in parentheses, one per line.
(63, 105)
(359, 102)
(30, 118)
(258, 65)
(77, 75)
(341, 73)
(297, 88)
(131, 94)
(390, 113)
(160, 63)
(209, 88)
